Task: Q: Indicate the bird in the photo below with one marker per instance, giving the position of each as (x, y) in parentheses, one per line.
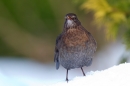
(75, 46)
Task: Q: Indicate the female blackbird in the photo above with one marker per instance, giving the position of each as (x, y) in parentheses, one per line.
(75, 46)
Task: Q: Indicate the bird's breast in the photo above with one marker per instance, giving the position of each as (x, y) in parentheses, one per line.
(74, 37)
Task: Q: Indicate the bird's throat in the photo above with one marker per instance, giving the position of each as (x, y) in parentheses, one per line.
(70, 24)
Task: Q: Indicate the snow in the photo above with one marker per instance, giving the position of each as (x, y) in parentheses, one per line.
(115, 76)
(8, 81)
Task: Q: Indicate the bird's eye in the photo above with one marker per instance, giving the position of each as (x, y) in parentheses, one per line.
(73, 17)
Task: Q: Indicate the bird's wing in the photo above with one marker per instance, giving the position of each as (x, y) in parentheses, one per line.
(91, 42)
(56, 57)
(91, 45)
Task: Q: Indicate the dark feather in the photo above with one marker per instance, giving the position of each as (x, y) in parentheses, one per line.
(56, 57)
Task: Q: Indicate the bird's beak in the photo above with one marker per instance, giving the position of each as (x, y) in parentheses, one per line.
(68, 17)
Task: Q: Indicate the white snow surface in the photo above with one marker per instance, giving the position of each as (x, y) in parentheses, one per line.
(115, 76)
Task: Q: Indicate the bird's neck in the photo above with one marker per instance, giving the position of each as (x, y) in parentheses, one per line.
(71, 24)
(66, 29)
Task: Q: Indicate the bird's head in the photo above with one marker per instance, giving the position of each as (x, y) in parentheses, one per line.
(71, 21)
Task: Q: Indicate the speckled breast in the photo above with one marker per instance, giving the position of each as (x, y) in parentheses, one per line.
(74, 37)
(73, 53)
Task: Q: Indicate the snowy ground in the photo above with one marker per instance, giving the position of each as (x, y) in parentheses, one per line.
(25, 72)
(114, 76)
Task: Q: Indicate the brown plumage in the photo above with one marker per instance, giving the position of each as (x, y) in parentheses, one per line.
(75, 46)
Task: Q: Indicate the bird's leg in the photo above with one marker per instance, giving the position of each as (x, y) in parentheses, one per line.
(83, 71)
(67, 76)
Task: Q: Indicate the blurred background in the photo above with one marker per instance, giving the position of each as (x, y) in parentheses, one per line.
(28, 29)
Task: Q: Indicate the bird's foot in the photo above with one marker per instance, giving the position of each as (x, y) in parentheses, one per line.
(67, 80)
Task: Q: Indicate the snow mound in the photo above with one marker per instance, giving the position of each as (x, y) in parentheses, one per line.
(114, 76)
